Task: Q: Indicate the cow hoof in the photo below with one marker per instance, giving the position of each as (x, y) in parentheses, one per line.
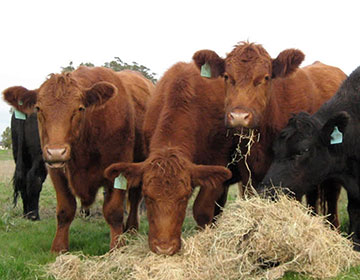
(84, 213)
(32, 217)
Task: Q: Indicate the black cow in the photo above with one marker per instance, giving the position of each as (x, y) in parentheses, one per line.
(30, 171)
(325, 146)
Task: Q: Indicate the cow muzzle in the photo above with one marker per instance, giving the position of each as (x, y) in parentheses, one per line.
(239, 118)
(56, 156)
(166, 248)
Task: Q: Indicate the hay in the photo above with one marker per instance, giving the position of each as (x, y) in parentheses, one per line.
(253, 239)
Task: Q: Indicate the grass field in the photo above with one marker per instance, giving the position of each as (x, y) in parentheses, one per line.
(25, 245)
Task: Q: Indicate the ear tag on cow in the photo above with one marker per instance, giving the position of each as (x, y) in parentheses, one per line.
(336, 136)
(120, 182)
(19, 115)
(205, 70)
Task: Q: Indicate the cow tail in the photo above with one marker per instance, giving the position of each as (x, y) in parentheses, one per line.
(18, 178)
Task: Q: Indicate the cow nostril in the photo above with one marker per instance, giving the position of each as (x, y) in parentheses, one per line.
(63, 151)
(164, 251)
(48, 152)
(230, 116)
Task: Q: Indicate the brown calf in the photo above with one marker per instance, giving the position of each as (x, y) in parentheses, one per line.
(188, 148)
(88, 119)
(263, 93)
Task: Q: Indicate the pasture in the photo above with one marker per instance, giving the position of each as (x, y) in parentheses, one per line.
(25, 245)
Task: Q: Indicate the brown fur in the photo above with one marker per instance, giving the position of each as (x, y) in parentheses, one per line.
(93, 116)
(188, 148)
(265, 92)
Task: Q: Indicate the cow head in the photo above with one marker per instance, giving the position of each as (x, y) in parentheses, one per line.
(61, 105)
(305, 153)
(248, 71)
(167, 180)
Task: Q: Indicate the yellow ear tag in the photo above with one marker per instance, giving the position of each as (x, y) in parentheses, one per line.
(205, 70)
(19, 115)
(120, 182)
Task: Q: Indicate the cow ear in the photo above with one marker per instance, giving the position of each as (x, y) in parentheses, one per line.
(334, 129)
(21, 98)
(98, 94)
(132, 171)
(210, 64)
(209, 175)
(286, 62)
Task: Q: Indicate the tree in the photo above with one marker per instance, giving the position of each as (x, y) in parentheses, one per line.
(68, 68)
(117, 65)
(6, 138)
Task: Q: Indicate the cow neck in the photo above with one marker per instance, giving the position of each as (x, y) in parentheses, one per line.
(185, 148)
(176, 132)
(272, 121)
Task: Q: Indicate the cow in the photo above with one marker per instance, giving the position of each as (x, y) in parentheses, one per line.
(322, 146)
(88, 119)
(30, 171)
(262, 93)
(187, 146)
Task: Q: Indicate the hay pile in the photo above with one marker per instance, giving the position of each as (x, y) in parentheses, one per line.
(254, 239)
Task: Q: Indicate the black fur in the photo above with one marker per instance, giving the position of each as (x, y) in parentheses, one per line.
(30, 171)
(304, 156)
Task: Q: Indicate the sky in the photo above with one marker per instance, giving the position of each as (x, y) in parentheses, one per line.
(38, 37)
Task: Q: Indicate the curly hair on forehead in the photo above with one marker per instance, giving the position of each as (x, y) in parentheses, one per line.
(167, 161)
(58, 85)
(245, 51)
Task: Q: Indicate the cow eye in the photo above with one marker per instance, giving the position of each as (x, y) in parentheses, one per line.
(267, 77)
(37, 109)
(301, 152)
(226, 77)
(81, 108)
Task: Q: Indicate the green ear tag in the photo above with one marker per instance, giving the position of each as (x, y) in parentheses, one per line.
(19, 115)
(120, 182)
(336, 136)
(205, 70)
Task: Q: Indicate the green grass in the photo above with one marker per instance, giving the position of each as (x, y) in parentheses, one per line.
(6, 155)
(25, 245)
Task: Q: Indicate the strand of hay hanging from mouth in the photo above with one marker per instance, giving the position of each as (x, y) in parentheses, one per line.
(254, 239)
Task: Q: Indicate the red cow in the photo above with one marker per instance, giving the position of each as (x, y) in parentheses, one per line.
(188, 148)
(88, 119)
(262, 93)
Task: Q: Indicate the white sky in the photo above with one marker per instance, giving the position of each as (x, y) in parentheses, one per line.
(40, 36)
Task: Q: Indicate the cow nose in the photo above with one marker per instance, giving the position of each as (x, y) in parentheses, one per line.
(56, 153)
(164, 251)
(166, 248)
(238, 118)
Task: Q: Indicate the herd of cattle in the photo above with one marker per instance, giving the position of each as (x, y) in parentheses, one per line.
(95, 128)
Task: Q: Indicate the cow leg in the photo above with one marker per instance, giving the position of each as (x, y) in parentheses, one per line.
(25, 201)
(204, 205)
(312, 199)
(331, 195)
(354, 216)
(113, 210)
(33, 189)
(133, 218)
(65, 211)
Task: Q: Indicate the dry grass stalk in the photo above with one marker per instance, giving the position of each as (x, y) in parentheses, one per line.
(253, 239)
